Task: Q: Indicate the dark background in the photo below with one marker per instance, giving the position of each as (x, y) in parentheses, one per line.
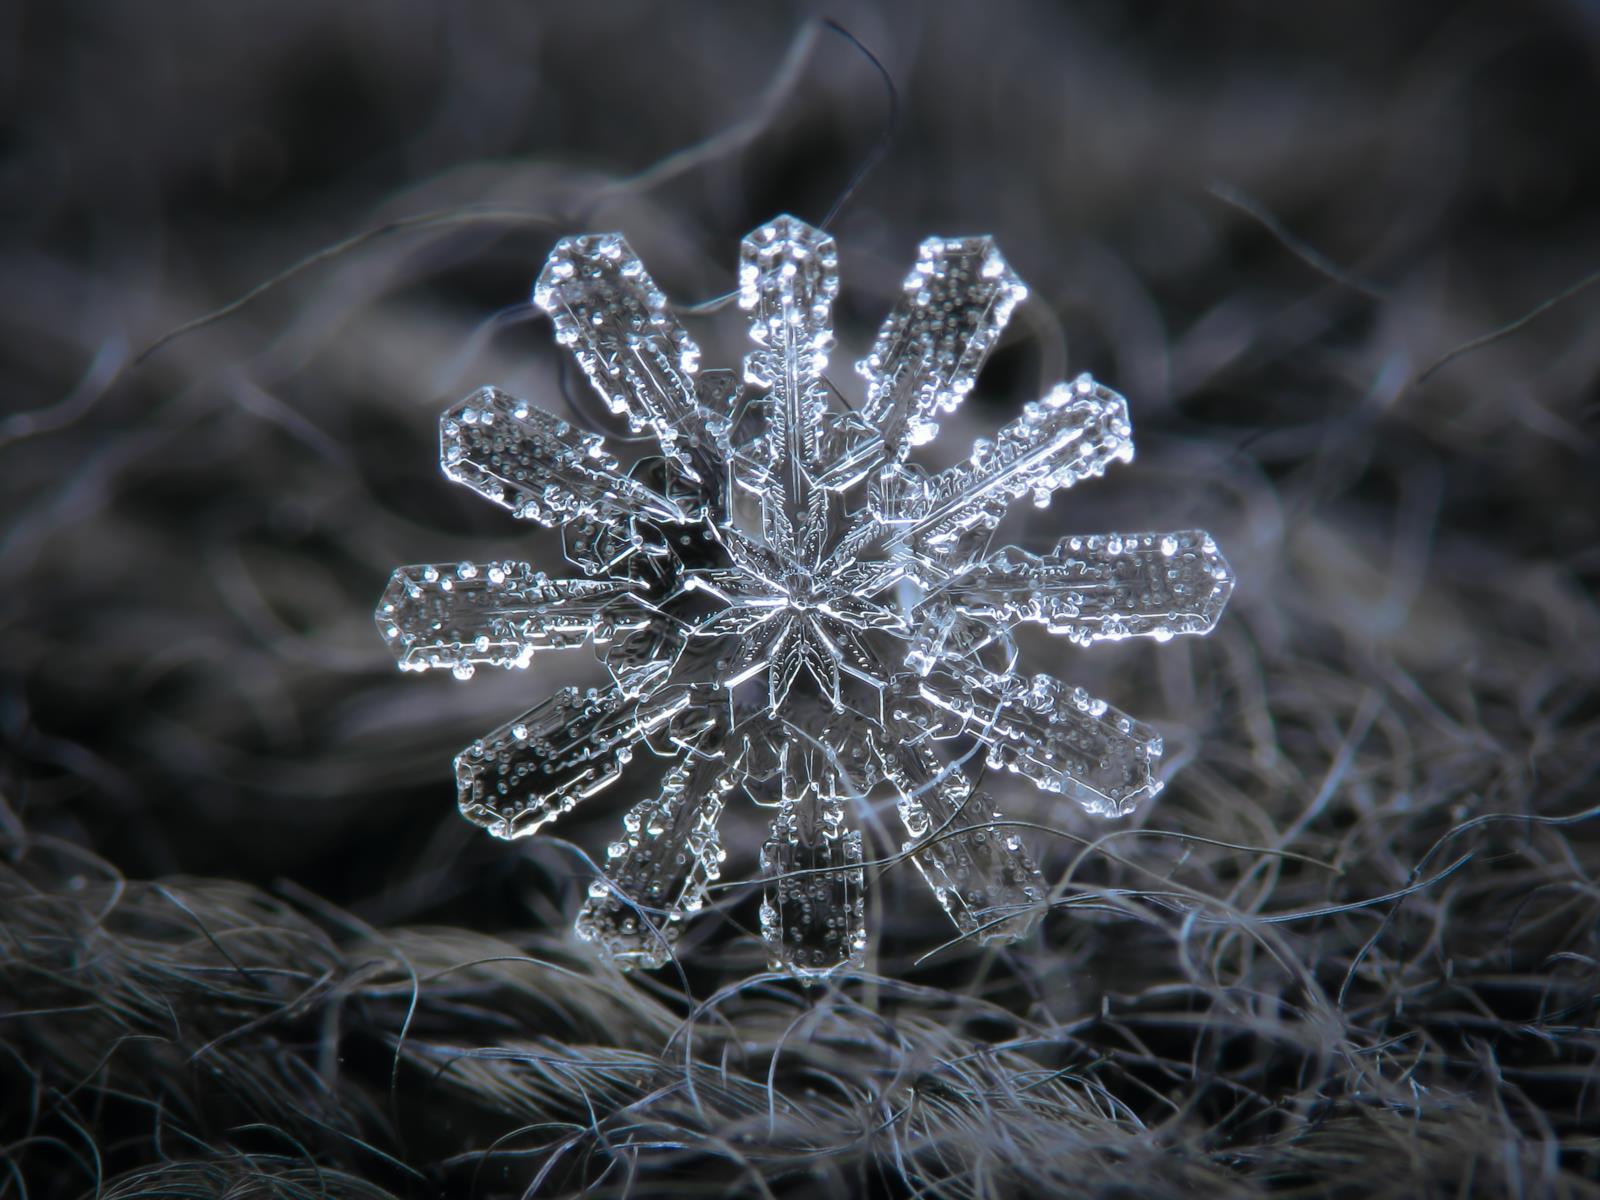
(1280, 230)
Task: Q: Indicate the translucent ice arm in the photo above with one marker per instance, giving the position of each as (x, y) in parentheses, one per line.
(1060, 738)
(539, 466)
(931, 347)
(984, 878)
(669, 853)
(788, 277)
(813, 915)
(611, 315)
(531, 770)
(1103, 587)
(488, 614)
(1074, 433)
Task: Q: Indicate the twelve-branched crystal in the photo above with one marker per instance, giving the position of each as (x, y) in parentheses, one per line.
(787, 607)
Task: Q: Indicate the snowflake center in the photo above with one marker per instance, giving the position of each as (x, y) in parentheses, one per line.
(802, 594)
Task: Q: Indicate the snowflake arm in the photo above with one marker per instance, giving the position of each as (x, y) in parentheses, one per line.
(497, 614)
(539, 466)
(788, 278)
(952, 309)
(577, 743)
(930, 524)
(1061, 739)
(609, 312)
(813, 914)
(1074, 433)
(981, 875)
(657, 874)
(1103, 587)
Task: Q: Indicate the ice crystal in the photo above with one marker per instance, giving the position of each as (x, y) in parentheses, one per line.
(787, 606)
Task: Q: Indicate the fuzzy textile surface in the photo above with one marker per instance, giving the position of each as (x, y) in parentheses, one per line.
(1338, 257)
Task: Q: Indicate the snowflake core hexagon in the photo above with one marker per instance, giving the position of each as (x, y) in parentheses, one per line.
(786, 605)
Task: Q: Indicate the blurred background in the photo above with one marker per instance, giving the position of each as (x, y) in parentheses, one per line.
(1338, 259)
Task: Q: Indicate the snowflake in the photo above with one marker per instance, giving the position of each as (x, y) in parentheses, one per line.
(786, 605)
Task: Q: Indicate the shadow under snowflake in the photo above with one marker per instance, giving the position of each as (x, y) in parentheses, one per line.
(786, 605)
